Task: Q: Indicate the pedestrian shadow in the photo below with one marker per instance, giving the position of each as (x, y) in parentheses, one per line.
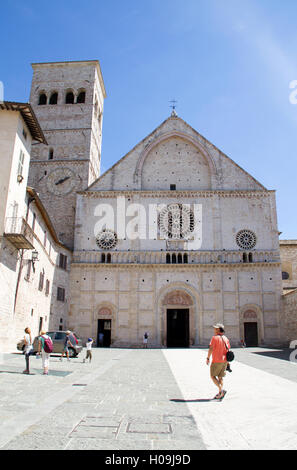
(198, 400)
(57, 373)
(11, 372)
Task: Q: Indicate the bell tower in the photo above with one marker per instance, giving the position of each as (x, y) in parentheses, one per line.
(67, 98)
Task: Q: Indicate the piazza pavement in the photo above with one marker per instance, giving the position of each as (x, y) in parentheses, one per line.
(149, 399)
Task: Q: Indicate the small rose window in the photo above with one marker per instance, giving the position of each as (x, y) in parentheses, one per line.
(106, 239)
(246, 239)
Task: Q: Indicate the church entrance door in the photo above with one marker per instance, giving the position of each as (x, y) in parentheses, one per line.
(178, 328)
(104, 333)
(251, 334)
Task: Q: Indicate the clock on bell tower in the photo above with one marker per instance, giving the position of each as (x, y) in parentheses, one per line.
(67, 98)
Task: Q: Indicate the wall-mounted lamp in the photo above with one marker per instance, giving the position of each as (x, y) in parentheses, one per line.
(34, 258)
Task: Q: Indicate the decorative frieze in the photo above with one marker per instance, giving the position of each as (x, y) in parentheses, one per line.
(220, 257)
(178, 194)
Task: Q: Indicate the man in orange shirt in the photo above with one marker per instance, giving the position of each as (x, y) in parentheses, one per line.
(218, 349)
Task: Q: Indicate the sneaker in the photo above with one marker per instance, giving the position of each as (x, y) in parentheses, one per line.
(228, 368)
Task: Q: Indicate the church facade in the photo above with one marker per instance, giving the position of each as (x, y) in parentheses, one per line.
(159, 280)
(171, 239)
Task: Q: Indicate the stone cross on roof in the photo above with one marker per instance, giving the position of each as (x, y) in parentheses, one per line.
(173, 106)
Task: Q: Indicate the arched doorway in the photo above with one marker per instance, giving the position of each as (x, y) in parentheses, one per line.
(104, 326)
(251, 325)
(178, 330)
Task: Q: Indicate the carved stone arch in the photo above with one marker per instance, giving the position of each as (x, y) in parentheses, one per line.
(53, 97)
(42, 97)
(177, 295)
(105, 311)
(166, 136)
(80, 95)
(251, 313)
(67, 93)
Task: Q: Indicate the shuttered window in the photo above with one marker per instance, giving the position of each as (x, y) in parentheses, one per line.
(21, 163)
(61, 294)
(41, 281)
(62, 261)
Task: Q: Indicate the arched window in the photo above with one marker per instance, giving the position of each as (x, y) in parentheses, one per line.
(244, 258)
(69, 98)
(168, 260)
(54, 98)
(185, 258)
(108, 258)
(51, 154)
(285, 275)
(42, 99)
(174, 258)
(81, 97)
(103, 258)
(250, 257)
(179, 258)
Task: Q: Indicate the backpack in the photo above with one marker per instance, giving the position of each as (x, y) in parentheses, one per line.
(75, 338)
(230, 354)
(48, 345)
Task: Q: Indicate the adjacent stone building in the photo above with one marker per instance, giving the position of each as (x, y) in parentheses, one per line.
(30, 251)
(288, 252)
(289, 316)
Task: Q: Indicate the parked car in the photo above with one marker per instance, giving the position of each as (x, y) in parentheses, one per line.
(58, 339)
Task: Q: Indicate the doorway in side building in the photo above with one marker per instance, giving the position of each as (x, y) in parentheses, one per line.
(178, 328)
(251, 334)
(104, 333)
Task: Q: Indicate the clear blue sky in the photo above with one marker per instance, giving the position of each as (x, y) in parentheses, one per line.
(227, 62)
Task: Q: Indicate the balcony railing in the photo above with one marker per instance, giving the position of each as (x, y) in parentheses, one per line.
(18, 232)
(176, 257)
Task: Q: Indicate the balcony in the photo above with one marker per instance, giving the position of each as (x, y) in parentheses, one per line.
(18, 232)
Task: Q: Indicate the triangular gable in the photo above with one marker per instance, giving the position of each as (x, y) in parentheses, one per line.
(226, 174)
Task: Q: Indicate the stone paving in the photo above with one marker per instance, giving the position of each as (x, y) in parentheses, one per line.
(137, 399)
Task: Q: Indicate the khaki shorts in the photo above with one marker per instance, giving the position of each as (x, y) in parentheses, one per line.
(218, 369)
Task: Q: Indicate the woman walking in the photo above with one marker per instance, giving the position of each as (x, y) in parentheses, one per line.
(44, 344)
(28, 350)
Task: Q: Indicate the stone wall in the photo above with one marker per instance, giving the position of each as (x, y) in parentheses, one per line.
(136, 299)
(31, 300)
(289, 318)
(288, 253)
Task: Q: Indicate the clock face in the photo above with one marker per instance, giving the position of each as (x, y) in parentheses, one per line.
(62, 181)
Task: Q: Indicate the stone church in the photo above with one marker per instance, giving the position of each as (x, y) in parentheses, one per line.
(171, 239)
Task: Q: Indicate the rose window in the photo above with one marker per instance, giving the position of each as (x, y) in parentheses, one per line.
(107, 239)
(176, 221)
(246, 239)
